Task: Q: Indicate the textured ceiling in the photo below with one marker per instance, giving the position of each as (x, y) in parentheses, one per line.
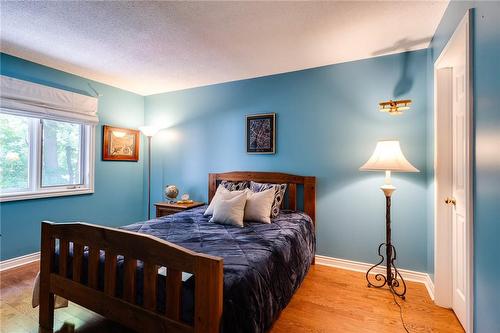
(153, 47)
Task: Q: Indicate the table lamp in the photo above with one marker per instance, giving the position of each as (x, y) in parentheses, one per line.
(388, 157)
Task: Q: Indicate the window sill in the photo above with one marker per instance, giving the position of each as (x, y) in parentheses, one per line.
(44, 194)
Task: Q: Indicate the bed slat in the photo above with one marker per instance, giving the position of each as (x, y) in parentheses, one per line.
(77, 261)
(292, 196)
(63, 257)
(174, 288)
(93, 276)
(150, 272)
(129, 269)
(110, 273)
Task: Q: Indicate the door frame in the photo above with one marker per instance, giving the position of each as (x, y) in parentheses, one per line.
(443, 278)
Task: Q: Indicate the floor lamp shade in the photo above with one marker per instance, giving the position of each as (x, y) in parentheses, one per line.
(388, 157)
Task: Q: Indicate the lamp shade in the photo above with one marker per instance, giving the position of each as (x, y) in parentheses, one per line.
(149, 130)
(388, 157)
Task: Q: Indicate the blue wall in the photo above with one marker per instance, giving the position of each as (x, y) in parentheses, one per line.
(118, 197)
(327, 126)
(486, 68)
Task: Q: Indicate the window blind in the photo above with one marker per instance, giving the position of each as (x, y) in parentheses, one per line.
(29, 99)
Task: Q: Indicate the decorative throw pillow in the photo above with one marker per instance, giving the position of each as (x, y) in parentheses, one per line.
(234, 186)
(221, 193)
(279, 194)
(230, 211)
(259, 204)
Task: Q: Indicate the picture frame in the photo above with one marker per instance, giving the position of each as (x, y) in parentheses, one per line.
(261, 133)
(120, 144)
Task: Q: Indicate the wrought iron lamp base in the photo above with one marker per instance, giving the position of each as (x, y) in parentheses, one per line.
(392, 278)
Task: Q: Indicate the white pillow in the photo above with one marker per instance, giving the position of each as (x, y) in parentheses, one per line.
(221, 193)
(259, 204)
(230, 211)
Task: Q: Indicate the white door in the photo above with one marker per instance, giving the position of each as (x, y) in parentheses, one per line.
(453, 152)
(458, 202)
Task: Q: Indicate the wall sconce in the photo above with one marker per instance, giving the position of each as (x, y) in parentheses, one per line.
(394, 107)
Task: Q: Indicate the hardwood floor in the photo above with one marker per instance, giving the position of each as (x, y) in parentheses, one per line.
(329, 300)
(336, 300)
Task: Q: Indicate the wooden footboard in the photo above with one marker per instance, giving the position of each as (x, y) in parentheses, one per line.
(153, 252)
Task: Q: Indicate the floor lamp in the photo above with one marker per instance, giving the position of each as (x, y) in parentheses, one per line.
(388, 157)
(149, 132)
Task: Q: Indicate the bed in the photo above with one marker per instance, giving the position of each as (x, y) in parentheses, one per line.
(212, 277)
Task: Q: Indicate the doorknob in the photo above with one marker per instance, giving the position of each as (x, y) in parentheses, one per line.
(452, 201)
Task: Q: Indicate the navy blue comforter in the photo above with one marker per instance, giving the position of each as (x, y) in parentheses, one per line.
(264, 264)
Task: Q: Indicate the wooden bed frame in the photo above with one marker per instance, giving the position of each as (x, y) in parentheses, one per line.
(154, 253)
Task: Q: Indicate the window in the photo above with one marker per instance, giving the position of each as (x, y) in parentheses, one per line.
(42, 157)
(44, 153)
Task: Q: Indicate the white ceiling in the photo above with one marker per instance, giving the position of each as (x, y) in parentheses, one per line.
(153, 47)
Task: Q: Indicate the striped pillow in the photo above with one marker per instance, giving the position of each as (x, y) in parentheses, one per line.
(279, 194)
(234, 186)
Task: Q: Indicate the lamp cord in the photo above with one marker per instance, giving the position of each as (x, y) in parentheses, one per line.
(400, 310)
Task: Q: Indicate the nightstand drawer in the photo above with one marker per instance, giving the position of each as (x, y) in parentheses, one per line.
(164, 211)
(167, 208)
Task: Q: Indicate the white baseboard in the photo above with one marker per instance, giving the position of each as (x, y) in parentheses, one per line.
(363, 267)
(19, 261)
(429, 284)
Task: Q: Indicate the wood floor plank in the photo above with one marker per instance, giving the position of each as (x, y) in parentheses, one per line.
(329, 300)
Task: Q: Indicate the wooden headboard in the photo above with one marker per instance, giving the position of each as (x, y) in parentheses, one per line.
(308, 183)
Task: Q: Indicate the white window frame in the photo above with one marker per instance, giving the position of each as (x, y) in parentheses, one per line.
(38, 102)
(35, 188)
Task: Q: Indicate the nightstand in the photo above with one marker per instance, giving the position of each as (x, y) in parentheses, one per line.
(166, 208)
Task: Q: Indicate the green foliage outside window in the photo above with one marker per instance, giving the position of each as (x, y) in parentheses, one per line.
(61, 153)
(14, 152)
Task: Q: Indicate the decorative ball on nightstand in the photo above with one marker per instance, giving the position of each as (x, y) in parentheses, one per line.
(171, 192)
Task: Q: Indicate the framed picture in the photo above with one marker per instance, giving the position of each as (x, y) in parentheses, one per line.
(261, 133)
(120, 144)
